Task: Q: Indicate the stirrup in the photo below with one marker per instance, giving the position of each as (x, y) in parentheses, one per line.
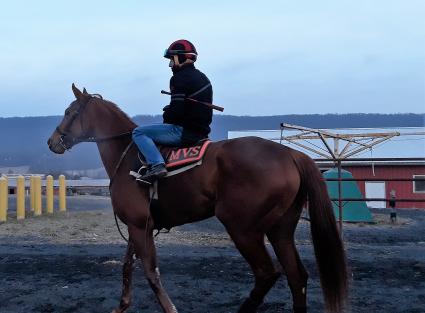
(139, 178)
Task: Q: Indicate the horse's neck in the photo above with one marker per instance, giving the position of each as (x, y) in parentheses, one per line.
(112, 122)
(111, 152)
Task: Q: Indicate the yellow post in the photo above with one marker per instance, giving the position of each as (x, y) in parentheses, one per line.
(4, 193)
(37, 195)
(62, 193)
(7, 192)
(32, 193)
(20, 198)
(49, 194)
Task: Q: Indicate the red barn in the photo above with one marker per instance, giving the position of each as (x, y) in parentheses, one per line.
(382, 189)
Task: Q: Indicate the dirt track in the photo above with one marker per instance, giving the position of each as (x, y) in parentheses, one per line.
(72, 263)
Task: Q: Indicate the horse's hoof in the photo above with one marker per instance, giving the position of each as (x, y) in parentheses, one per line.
(302, 309)
(249, 306)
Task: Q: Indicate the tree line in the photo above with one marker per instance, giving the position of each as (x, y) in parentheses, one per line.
(23, 139)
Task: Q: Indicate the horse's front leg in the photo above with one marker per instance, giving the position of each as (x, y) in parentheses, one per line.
(145, 249)
(127, 273)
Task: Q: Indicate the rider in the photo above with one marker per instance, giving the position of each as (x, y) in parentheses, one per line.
(184, 121)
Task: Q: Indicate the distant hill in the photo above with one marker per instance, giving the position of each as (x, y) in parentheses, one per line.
(23, 139)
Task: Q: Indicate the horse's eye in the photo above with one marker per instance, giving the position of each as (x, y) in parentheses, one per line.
(67, 112)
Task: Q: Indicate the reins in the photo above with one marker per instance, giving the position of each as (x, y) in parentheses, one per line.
(119, 229)
(97, 140)
(147, 221)
(111, 180)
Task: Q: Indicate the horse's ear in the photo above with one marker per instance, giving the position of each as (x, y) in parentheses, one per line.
(77, 93)
(85, 91)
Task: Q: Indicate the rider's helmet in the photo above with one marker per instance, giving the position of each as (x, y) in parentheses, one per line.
(183, 49)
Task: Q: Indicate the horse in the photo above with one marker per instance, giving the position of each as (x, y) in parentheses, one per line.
(255, 187)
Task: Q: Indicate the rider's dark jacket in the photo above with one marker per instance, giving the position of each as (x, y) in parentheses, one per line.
(195, 118)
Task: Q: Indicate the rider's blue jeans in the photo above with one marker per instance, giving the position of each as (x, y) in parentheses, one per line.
(145, 138)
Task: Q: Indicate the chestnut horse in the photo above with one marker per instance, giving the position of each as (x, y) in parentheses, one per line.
(255, 187)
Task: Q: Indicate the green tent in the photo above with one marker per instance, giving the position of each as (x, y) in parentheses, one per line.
(352, 211)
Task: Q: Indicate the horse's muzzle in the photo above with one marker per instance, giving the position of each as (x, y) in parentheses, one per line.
(56, 145)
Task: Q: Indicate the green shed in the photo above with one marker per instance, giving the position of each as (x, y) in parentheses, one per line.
(351, 211)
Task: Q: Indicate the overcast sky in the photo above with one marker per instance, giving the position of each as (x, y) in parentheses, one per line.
(263, 57)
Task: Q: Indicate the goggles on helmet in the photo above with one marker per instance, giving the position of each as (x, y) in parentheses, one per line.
(169, 53)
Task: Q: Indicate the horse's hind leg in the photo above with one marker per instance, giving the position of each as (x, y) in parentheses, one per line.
(127, 273)
(282, 239)
(252, 248)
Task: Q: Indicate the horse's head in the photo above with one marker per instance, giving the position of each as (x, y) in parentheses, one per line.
(72, 129)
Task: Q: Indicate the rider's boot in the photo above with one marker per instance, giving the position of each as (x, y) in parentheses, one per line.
(153, 173)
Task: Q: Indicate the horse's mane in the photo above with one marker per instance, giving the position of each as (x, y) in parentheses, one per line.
(112, 106)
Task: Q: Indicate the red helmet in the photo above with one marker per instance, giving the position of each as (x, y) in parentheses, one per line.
(184, 49)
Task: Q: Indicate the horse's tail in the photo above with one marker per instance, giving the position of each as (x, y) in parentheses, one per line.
(328, 246)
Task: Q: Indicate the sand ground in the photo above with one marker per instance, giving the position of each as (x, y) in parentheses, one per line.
(71, 262)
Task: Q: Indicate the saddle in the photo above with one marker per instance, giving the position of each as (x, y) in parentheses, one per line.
(177, 157)
(180, 159)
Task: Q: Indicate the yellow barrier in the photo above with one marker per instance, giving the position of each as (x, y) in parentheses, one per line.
(37, 195)
(20, 198)
(35, 198)
(62, 193)
(7, 180)
(4, 194)
(49, 194)
(7, 193)
(32, 193)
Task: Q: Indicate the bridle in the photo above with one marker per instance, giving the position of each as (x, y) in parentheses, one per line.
(67, 141)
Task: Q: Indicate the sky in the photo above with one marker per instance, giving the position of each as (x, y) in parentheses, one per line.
(263, 57)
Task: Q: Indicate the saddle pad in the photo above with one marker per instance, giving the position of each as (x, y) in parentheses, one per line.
(178, 156)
